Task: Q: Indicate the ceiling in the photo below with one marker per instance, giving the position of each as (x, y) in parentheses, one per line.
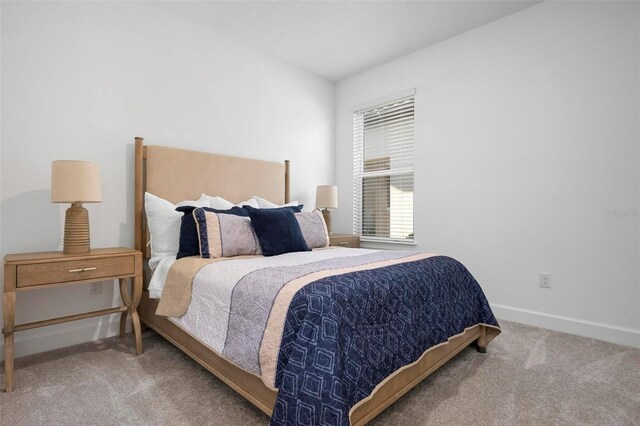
(337, 39)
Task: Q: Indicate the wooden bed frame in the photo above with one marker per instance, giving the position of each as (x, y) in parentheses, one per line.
(170, 173)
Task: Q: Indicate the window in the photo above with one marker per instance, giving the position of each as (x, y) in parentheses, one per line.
(383, 171)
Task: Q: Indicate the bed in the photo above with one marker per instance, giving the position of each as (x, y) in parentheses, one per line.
(371, 365)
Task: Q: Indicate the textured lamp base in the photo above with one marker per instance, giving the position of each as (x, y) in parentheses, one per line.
(326, 213)
(76, 230)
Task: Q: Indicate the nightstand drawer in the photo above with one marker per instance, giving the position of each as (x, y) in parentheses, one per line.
(74, 270)
(352, 241)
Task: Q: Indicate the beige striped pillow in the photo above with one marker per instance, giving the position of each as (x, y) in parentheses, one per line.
(313, 228)
(225, 235)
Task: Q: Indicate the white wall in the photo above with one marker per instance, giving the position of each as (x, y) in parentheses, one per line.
(80, 80)
(527, 131)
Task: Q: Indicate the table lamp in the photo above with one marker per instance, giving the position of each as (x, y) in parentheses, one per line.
(327, 198)
(76, 182)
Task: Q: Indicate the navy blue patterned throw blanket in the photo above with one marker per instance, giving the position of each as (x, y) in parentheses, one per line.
(345, 334)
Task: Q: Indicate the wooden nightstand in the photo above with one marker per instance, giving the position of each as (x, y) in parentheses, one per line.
(344, 240)
(33, 271)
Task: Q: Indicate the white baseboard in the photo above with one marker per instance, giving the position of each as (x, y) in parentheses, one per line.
(50, 338)
(595, 330)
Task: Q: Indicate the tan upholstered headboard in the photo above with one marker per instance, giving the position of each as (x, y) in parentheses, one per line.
(179, 174)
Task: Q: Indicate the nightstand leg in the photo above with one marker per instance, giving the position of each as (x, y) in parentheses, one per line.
(135, 319)
(124, 293)
(9, 314)
(123, 323)
(8, 362)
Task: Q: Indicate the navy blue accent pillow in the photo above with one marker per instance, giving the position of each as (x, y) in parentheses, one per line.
(278, 230)
(295, 209)
(189, 244)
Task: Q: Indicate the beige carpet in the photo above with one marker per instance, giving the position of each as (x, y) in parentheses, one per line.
(529, 376)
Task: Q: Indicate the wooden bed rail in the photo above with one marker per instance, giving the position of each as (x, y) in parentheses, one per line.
(139, 194)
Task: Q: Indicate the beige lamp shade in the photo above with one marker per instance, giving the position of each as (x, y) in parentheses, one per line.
(327, 197)
(75, 181)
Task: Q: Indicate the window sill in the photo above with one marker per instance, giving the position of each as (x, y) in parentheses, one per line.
(369, 241)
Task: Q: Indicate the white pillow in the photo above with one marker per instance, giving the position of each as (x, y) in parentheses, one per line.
(250, 202)
(203, 201)
(164, 225)
(266, 204)
(220, 203)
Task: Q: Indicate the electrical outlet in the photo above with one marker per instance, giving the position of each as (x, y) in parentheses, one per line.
(96, 288)
(545, 280)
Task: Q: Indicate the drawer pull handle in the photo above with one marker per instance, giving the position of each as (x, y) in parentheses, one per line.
(93, 268)
(344, 243)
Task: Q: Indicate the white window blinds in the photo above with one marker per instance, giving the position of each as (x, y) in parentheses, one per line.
(383, 171)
